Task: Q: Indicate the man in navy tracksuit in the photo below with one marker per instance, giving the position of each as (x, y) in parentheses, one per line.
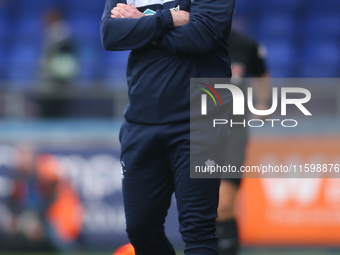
(168, 48)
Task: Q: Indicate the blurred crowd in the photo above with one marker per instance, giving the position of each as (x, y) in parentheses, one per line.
(44, 211)
(52, 63)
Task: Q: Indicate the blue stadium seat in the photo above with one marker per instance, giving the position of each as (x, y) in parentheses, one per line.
(86, 55)
(282, 25)
(245, 8)
(319, 70)
(23, 64)
(325, 26)
(117, 63)
(29, 28)
(85, 29)
(33, 8)
(278, 70)
(281, 58)
(325, 6)
(3, 27)
(91, 61)
(5, 40)
(86, 8)
(275, 26)
(3, 64)
(321, 59)
(278, 6)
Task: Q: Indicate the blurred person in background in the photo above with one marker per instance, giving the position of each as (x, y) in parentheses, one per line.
(247, 60)
(25, 227)
(45, 211)
(59, 65)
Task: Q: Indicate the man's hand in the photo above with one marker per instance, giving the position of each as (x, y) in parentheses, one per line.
(180, 18)
(126, 11)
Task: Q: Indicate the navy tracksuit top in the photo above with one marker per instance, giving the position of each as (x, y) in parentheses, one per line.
(164, 58)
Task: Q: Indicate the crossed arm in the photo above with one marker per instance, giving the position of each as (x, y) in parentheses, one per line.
(178, 32)
(179, 18)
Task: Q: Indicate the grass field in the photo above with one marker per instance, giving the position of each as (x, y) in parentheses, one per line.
(286, 251)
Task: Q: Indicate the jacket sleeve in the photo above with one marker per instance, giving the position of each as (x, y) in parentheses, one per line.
(208, 20)
(129, 34)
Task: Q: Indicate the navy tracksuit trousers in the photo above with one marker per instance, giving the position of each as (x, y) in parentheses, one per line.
(155, 163)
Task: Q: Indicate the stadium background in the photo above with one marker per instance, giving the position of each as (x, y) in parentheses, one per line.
(302, 38)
